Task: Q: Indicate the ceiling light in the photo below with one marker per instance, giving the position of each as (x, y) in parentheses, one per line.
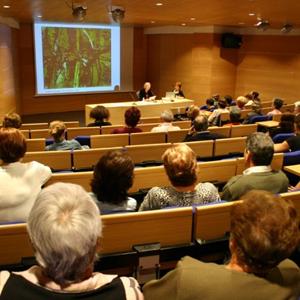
(287, 28)
(192, 19)
(241, 23)
(251, 14)
(262, 25)
(183, 24)
(6, 6)
(39, 16)
(158, 4)
(152, 22)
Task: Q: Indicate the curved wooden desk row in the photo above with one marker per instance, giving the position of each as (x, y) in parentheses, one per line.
(205, 224)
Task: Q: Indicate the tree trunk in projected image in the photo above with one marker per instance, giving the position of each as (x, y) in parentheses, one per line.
(76, 57)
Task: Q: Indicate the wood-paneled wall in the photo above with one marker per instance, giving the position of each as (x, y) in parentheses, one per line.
(9, 85)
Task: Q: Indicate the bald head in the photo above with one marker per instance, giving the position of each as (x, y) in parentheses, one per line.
(200, 123)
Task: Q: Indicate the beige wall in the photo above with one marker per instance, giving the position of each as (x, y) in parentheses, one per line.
(9, 91)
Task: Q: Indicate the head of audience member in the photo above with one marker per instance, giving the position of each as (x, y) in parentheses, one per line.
(297, 123)
(167, 116)
(287, 122)
(12, 120)
(249, 97)
(147, 86)
(99, 113)
(297, 108)
(228, 99)
(235, 114)
(57, 130)
(222, 104)
(12, 145)
(192, 112)
(241, 101)
(210, 102)
(65, 228)
(132, 116)
(256, 107)
(259, 150)
(277, 103)
(178, 86)
(113, 177)
(180, 165)
(200, 123)
(264, 231)
(255, 95)
(216, 97)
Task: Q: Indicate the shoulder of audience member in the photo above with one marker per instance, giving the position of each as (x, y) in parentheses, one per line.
(132, 288)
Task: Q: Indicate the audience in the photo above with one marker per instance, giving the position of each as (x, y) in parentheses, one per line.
(214, 118)
(146, 92)
(286, 125)
(20, 182)
(113, 177)
(65, 230)
(181, 167)
(178, 89)
(277, 104)
(199, 131)
(166, 125)
(12, 120)
(101, 116)
(132, 117)
(234, 116)
(255, 111)
(264, 232)
(292, 143)
(297, 108)
(210, 105)
(258, 174)
(229, 100)
(241, 101)
(57, 130)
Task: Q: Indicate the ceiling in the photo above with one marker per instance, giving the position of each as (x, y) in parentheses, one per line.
(172, 12)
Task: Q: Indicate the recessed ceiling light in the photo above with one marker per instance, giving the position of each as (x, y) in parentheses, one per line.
(183, 24)
(251, 14)
(241, 23)
(158, 4)
(152, 22)
(192, 19)
(6, 6)
(39, 16)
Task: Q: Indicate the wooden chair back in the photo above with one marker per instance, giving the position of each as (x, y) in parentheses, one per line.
(147, 138)
(76, 131)
(109, 140)
(33, 126)
(110, 128)
(176, 136)
(35, 145)
(243, 130)
(26, 133)
(150, 120)
(182, 124)
(228, 146)
(202, 148)
(224, 131)
(71, 124)
(147, 127)
(40, 134)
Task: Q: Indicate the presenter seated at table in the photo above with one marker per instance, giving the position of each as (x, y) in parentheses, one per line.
(146, 93)
(178, 90)
(132, 117)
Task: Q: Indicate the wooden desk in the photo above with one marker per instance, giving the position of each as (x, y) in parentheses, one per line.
(295, 169)
(148, 108)
(268, 124)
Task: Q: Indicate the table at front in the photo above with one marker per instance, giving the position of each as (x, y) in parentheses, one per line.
(268, 124)
(148, 108)
(294, 169)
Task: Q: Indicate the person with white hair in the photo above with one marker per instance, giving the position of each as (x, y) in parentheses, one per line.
(65, 228)
(166, 123)
(146, 93)
(297, 108)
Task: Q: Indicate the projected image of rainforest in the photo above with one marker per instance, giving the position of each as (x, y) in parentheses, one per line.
(76, 57)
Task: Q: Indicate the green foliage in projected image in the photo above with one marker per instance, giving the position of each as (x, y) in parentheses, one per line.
(76, 57)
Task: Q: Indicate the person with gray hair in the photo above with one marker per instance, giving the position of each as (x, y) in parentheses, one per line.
(258, 174)
(297, 108)
(166, 123)
(65, 227)
(199, 131)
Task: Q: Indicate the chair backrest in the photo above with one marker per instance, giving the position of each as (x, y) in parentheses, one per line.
(71, 124)
(147, 127)
(276, 164)
(110, 128)
(109, 140)
(224, 116)
(147, 138)
(294, 197)
(150, 120)
(281, 137)
(255, 119)
(40, 134)
(224, 131)
(87, 159)
(202, 148)
(243, 130)
(178, 110)
(26, 133)
(81, 178)
(56, 160)
(229, 146)
(77, 131)
(168, 227)
(32, 126)
(267, 104)
(176, 136)
(212, 221)
(150, 152)
(276, 118)
(288, 108)
(216, 171)
(182, 124)
(291, 158)
(266, 109)
(244, 113)
(35, 145)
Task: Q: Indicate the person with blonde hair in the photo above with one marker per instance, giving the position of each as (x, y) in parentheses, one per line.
(181, 167)
(65, 228)
(57, 130)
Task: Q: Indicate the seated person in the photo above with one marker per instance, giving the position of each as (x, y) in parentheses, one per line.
(229, 100)
(214, 118)
(181, 167)
(264, 232)
(199, 131)
(192, 112)
(12, 120)
(297, 108)
(166, 125)
(277, 105)
(20, 183)
(101, 116)
(255, 111)
(113, 177)
(241, 101)
(235, 116)
(146, 92)
(258, 174)
(65, 230)
(286, 125)
(209, 105)
(57, 130)
(178, 90)
(132, 117)
(252, 98)
(292, 143)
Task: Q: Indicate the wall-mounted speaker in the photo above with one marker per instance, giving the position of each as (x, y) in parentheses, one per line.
(231, 40)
